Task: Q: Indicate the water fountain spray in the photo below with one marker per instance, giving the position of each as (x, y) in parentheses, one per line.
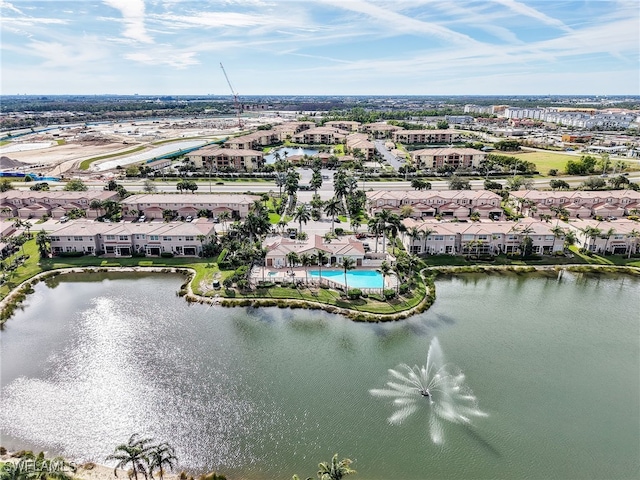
(448, 398)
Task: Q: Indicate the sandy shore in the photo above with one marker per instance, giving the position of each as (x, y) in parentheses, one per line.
(94, 471)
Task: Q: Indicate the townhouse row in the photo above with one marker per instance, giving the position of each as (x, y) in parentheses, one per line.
(30, 204)
(577, 204)
(427, 237)
(182, 239)
(460, 204)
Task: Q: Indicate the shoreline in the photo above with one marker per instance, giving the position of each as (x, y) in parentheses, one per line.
(19, 293)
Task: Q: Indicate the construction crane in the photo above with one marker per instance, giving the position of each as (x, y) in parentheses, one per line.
(236, 101)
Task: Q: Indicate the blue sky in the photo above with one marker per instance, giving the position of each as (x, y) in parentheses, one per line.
(321, 47)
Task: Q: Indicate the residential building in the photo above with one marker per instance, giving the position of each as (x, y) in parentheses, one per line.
(219, 158)
(576, 203)
(433, 158)
(425, 136)
(152, 205)
(125, 239)
(431, 203)
(361, 142)
(481, 238)
(345, 125)
(620, 237)
(31, 204)
(321, 136)
(380, 130)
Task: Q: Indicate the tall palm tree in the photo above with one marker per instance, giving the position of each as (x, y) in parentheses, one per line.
(607, 235)
(306, 261)
(355, 223)
(591, 233)
(161, 456)
(335, 470)
(569, 238)
(134, 452)
(634, 235)
(558, 232)
(43, 241)
(347, 264)
(383, 218)
(224, 218)
(385, 269)
(373, 227)
(293, 259)
(333, 208)
(322, 257)
(302, 214)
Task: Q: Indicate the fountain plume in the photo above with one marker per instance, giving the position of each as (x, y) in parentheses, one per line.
(432, 386)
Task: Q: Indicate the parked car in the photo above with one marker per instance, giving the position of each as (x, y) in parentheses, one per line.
(188, 219)
(142, 218)
(64, 219)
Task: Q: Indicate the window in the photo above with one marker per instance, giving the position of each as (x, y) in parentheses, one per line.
(154, 237)
(111, 237)
(123, 237)
(77, 239)
(467, 237)
(189, 239)
(166, 239)
(438, 238)
(483, 237)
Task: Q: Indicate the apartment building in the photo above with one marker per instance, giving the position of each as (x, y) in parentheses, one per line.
(360, 141)
(153, 205)
(433, 158)
(321, 136)
(430, 203)
(380, 130)
(345, 125)
(125, 239)
(30, 204)
(217, 158)
(425, 136)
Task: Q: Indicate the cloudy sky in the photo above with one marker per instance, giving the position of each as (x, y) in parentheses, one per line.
(322, 47)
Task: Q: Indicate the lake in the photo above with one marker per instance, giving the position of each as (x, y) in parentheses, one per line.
(266, 393)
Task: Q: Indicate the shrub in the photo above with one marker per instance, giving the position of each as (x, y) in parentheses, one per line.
(166, 255)
(222, 256)
(354, 293)
(71, 254)
(339, 231)
(404, 288)
(389, 293)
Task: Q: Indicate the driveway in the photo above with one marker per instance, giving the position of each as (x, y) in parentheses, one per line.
(389, 157)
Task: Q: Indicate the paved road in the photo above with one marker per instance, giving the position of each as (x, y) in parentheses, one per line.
(387, 155)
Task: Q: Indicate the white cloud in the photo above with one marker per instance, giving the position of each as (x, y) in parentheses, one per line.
(527, 11)
(169, 58)
(133, 14)
(9, 6)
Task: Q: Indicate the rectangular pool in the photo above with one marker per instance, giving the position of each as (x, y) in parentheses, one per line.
(355, 278)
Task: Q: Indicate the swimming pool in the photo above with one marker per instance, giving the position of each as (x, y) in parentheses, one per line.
(355, 278)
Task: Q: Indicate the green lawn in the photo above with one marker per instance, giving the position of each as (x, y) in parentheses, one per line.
(546, 160)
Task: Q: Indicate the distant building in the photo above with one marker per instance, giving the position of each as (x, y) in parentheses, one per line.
(425, 136)
(153, 205)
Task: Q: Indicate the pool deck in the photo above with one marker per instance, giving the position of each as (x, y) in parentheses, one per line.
(279, 275)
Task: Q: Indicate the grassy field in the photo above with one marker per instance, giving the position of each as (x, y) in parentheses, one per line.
(546, 160)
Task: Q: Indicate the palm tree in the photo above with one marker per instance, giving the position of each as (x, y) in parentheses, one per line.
(558, 232)
(385, 269)
(335, 470)
(306, 261)
(569, 238)
(355, 223)
(293, 259)
(43, 241)
(333, 208)
(347, 264)
(591, 233)
(607, 236)
(161, 456)
(302, 214)
(322, 258)
(224, 217)
(97, 205)
(633, 234)
(134, 452)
